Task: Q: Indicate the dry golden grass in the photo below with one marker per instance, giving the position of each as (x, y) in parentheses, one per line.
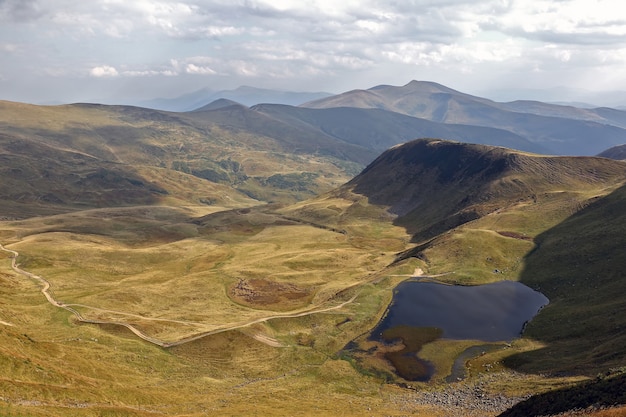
(167, 271)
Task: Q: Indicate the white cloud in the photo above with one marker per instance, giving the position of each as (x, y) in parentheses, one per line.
(103, 71)
(196, 69)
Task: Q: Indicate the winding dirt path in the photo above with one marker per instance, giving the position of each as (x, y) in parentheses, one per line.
(45, 290)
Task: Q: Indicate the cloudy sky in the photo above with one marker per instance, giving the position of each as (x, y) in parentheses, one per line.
(124, 50)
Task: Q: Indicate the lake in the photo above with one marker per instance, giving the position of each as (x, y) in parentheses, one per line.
(496, 312)
(490, 312)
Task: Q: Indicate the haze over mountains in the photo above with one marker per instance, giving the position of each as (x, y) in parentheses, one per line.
(560, 130)
(526, 125)
(245, 95)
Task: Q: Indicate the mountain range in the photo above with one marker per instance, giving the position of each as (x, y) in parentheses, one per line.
(245, 95)
(526, 125)
(561, 130)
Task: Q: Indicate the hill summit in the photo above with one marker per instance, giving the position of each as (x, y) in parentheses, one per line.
(434, 185)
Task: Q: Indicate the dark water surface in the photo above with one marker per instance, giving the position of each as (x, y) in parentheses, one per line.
(490, 312)
(422, 312)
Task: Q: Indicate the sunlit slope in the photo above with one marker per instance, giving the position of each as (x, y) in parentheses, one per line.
(274, 296)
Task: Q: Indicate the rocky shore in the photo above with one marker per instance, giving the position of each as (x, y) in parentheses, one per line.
(471, 399)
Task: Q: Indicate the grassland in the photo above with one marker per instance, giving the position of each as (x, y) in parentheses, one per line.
(170, 272)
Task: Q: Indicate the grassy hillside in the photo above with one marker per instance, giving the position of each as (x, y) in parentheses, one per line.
(579, 265)
(275, 297)
(78, 155)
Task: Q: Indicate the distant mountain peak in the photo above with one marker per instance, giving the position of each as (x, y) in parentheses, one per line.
(220, 103)
(616, 152)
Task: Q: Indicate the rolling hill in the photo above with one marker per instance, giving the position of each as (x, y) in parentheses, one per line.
(83, 155)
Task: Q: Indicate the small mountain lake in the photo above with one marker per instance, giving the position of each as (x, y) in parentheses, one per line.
(422, 312)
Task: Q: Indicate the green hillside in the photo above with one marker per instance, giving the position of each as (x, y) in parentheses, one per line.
(579, 265)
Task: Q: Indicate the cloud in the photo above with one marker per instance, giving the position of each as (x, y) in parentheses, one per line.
(103, 71)
(202, 70)
(573, 22)
(281, 42)
(8, 47)
(19, 10)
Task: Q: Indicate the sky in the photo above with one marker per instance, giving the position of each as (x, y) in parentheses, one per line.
(125, 50)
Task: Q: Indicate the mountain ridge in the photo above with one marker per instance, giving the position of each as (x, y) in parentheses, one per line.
(458, 182)
(245, 95)
(562, 129)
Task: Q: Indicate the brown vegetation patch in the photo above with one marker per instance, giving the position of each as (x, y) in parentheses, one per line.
(262, 293)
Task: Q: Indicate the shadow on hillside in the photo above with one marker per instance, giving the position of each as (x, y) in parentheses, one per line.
(601, 392)
(580, 265)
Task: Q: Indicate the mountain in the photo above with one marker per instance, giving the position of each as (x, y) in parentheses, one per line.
(434, 185)
(292, 136)
(616, 152)
(562, 130)
(245, 95)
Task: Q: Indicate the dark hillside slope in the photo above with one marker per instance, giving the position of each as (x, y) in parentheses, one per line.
(434, 185)
(580, 265)
(293, 138)
(38, 179)
(380, 129)
(616, 152)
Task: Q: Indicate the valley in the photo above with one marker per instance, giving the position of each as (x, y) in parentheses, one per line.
(191, 264)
